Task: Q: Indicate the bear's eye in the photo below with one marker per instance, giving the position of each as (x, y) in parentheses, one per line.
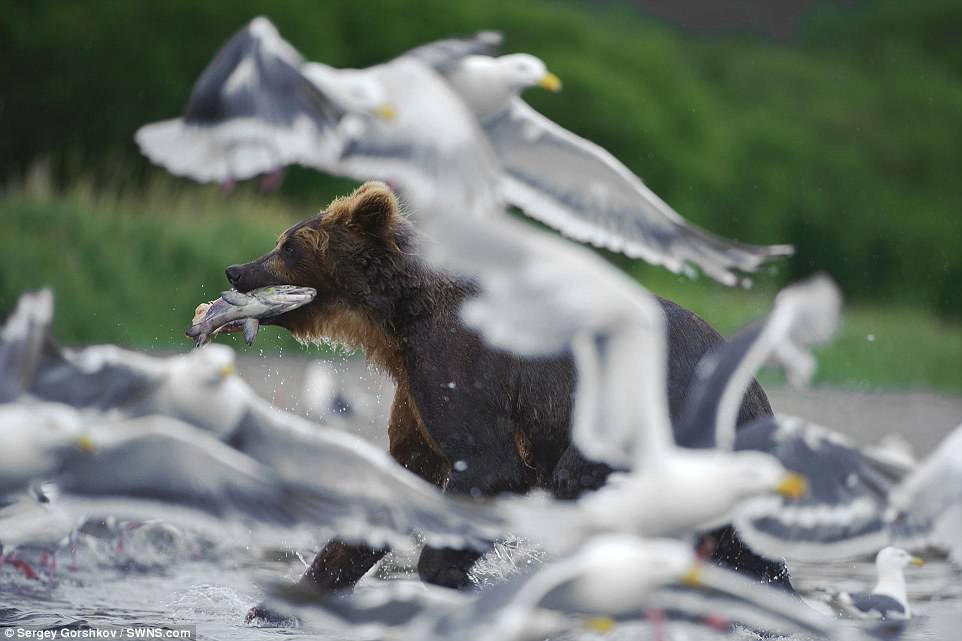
(288, 250)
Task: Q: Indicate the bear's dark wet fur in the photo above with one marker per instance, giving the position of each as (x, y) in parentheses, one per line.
(506, 418)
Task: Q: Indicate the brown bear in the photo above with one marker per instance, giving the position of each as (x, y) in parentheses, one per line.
(465, 417)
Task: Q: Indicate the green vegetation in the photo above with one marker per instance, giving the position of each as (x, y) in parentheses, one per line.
(131, 269)
(846, 141)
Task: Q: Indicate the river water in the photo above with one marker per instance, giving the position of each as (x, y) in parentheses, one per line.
(158, 575)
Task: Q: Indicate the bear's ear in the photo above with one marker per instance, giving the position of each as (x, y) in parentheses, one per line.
(374, 208)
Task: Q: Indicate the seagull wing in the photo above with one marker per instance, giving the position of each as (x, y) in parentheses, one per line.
(804, 314)
(369, 497)
(726, 597)
(101, 377)
(575, 186)
(844, 513)
(934, 488)
(250, 112)
(22, 339)
(442, 55)
(162, 460)
(384, 610)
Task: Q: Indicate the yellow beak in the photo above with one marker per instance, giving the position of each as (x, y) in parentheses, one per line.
(550, 82)
(85, 444)
(918, 561)
(228, 370)
(385, 112)
(692, 578)
(793, 486)
(600, 625)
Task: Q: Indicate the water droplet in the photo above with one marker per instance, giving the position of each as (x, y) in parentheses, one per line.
(460, 466)
(870, 338)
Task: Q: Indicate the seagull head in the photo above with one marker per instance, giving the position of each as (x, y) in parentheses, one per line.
(521, 71)
(201, 388)
(895, 559)
(756, 473)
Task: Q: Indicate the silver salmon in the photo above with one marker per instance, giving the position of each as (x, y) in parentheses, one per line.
(235, 311)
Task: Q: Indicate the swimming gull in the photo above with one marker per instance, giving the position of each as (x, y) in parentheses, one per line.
(888, 600)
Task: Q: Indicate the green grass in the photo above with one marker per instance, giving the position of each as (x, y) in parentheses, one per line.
(130, 269)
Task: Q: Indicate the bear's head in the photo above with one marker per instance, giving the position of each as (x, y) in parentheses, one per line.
(352, 253)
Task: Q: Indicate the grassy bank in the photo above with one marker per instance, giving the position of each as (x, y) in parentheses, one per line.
(131, 269)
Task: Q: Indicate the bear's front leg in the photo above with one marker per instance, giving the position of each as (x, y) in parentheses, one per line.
(484, 461)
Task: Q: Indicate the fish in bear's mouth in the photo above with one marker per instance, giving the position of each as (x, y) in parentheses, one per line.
(238, 311)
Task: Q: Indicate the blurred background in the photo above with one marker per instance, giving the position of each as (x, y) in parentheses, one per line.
(834, 126)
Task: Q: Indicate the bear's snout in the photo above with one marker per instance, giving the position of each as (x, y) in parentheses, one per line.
(233, 274)
(250, 276)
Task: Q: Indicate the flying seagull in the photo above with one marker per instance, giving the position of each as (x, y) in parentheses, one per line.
(361, 130)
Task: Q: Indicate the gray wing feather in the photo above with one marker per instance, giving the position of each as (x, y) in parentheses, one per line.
(872, 605)
(442, 55)
(804, 314)
(272, 87)
(250, 112)
(696, 427)
(844, 514)
(369, 496)
(100, 377)
(578, 188)
(736, 599)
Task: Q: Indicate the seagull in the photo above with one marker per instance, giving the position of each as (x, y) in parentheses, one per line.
(36, 437)
(199, 387)
(888, 600)
(577, 187)
(404, 119)
(612, 578)
(259, 106)
(159, 467)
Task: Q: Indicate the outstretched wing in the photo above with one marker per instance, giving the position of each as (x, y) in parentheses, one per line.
(323, 482)
(724, 597)
(442, 55)
(580, 189)
(805, 313)
(250, 112)
(368, 497)
(933, 491)
(101, 377)
(845, 513)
